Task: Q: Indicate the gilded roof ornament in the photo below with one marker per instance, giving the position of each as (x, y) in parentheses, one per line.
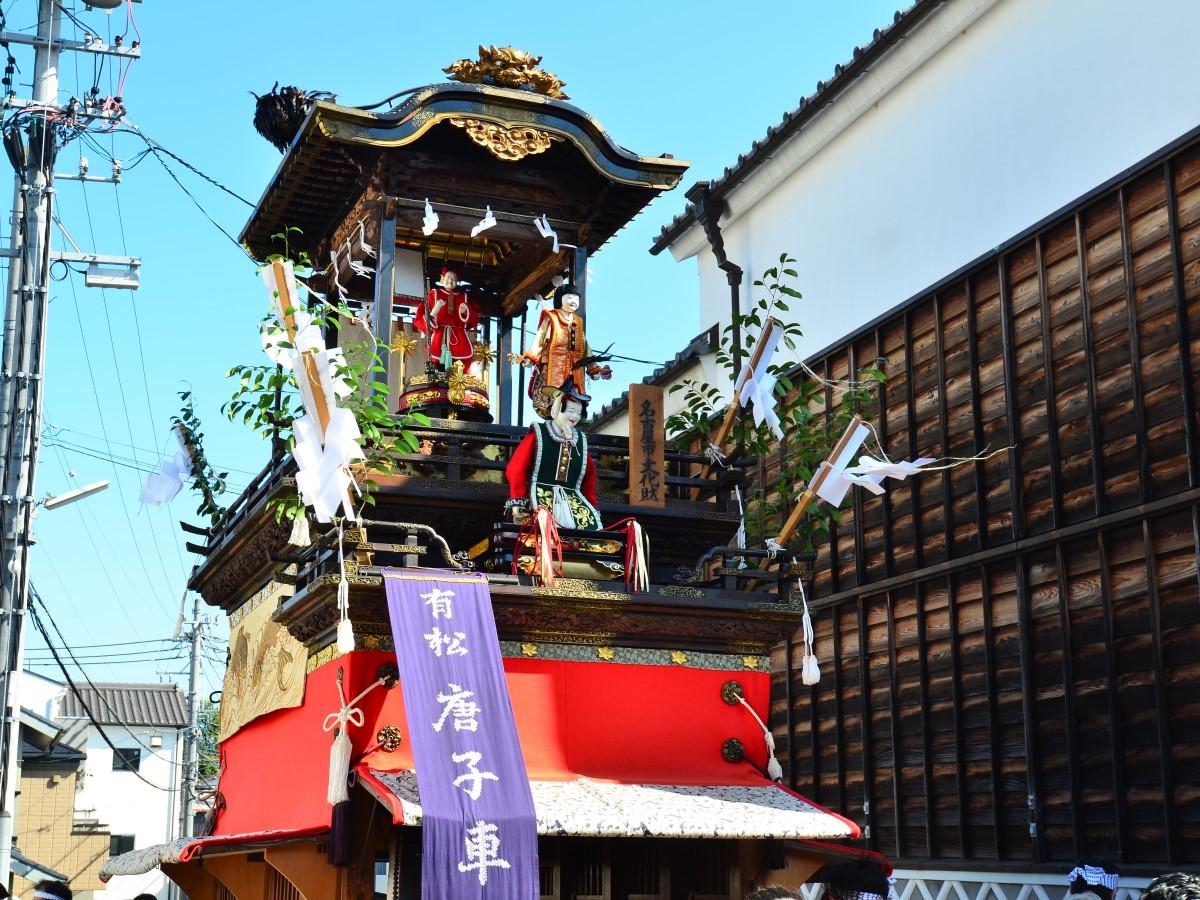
(507, 67)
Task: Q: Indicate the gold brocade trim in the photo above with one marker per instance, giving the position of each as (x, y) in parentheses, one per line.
(672, 590)
(569, 588)
(457, 579)
(586, 638)
(322, 656)
(504, 142)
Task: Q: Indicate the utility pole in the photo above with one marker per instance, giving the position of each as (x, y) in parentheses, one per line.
(21, 406)
(23, 360)
(191, 741)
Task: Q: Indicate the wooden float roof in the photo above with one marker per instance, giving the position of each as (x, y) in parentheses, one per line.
(587, 184)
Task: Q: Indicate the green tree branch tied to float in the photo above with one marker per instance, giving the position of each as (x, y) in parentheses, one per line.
(809, 429)
(266, 398)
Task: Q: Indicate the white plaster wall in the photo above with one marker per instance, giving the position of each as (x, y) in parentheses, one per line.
(128, 805)
(38, 694)
(672, 403)
(1034, 104)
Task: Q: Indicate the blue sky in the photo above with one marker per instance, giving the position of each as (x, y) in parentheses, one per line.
(700, 80)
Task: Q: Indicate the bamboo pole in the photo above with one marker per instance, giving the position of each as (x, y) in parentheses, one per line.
(309, 362)
(810, 492)
(735, 403)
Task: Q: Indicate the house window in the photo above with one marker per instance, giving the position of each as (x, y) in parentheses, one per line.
(119, 843)
(126, 760)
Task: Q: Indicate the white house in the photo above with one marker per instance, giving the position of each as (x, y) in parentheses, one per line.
(959, 125)
(131, 792)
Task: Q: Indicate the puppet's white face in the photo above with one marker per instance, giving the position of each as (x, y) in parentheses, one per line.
(570, 302)
(568, 414)
(450, 281)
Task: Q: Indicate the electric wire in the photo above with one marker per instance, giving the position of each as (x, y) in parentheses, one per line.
(118, 720)
(112, 343)
(60, 430)
(104, 431)
(37, 621)
(96, 549)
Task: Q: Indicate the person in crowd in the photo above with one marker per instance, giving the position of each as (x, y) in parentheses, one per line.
(859, 879)
(51, 890)
(1093, 879)
(1174, 886)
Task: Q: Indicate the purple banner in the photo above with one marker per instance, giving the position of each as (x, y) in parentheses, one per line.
(480, 833)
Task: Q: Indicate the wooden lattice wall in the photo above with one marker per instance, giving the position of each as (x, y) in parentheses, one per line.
(1010, 650)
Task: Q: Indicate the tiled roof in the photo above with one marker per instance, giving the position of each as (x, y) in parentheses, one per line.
(127, 704)
(862, 58)
(698, 346)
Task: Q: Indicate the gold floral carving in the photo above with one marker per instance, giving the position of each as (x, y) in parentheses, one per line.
(504, 142)
(507, 67)
(750, 662)
(678, 657)
(482, 354)
(605, 653)
(402, 343)
(529, 649)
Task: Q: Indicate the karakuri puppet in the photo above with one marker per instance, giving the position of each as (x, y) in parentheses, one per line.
(449, 318)
(558, 350)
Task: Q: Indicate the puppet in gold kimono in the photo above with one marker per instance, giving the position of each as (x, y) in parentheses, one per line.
(557, 351)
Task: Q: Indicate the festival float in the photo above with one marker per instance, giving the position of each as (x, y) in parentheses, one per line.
(532, 666)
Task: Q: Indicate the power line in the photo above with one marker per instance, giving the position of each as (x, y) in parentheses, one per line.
(104, 431)
(37, 621)
(112, 343)
(80, 509)
(38, 599)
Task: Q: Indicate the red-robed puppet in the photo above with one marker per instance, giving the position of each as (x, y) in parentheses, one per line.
(448, 317)
(551, 466)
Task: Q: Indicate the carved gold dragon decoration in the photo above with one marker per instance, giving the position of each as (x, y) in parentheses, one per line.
(507, 67)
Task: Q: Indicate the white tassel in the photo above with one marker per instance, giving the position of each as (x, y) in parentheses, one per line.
(810, 670)
(300, 536)
(774, 769)
(339, 768)
(339, 754)
(345, 629)
(345, 636)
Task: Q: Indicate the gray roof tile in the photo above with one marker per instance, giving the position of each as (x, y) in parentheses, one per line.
(116, 703)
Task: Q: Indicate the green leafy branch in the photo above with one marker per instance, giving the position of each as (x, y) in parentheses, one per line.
(809, 432)
(266, 399)
(207, 482)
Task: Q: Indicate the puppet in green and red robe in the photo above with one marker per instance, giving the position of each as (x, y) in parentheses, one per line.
(551, 467)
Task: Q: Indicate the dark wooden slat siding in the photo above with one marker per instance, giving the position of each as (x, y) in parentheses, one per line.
(1027, 627)
(1187, 377)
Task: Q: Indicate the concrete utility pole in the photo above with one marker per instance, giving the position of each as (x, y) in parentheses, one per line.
(23, 361)
(191, 740)
(21, 405)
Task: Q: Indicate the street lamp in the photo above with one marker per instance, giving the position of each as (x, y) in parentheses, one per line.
(76, 494)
